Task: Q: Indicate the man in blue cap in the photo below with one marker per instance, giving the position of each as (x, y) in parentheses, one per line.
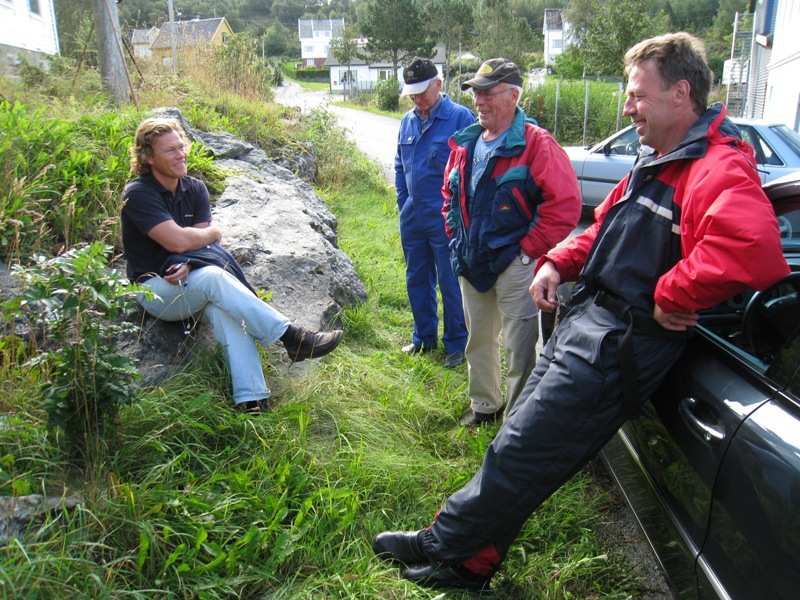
(422, 151)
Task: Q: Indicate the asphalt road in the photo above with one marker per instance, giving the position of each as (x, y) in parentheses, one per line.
(376, 136)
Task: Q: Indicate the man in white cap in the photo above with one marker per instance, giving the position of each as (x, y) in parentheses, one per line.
(422, 151)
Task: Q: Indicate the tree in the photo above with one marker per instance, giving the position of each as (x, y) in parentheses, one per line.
(395, 30)
(503, 33)
(278, 40)
(345, 50)
(449, 22)
(608, 28)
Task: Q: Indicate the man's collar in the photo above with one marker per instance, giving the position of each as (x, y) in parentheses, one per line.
(151, 179)
(432, 113)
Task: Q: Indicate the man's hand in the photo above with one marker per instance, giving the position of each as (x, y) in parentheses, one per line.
(178, 275)
(544, 287)
(676, 321)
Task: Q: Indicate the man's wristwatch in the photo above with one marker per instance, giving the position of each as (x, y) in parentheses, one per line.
(526, 260)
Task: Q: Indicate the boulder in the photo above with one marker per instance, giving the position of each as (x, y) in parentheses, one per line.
(284, 237)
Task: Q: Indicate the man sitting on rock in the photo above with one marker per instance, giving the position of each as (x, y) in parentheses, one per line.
(172, 248)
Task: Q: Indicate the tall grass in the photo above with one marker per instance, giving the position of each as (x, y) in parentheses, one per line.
(559, 107)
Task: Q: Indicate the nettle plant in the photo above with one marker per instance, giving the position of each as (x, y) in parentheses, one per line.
(77, 304)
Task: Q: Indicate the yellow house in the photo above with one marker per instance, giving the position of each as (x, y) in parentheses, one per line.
(190, 37)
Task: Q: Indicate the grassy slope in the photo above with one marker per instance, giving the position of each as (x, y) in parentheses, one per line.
(197, 501)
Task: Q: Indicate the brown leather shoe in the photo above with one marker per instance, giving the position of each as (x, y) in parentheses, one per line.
(472, 418)
(254, 407)
(301, 344)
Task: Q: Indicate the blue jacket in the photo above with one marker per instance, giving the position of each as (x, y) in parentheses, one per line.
(527, 200)
(422, 153)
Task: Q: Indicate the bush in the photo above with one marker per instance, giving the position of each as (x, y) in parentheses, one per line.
(568, 123)
(387, 95)
(75, 302)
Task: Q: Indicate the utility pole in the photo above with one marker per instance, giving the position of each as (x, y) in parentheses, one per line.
(112, 62)
(173, 36)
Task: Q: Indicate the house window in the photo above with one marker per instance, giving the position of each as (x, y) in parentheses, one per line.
(34, 6)
(556, 44)
(384, 74)
(308, 49)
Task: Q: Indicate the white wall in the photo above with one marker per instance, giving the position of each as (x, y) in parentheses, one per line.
(783, 89)
(21, 28)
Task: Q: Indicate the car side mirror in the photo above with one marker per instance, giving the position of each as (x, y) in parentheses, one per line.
(772, 317)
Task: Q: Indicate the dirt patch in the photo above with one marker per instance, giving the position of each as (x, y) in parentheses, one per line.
(619, 531)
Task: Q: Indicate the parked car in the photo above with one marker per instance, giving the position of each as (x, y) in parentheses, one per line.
(601, 166)
(711, 467)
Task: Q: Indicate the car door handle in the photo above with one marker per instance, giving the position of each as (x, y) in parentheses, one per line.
(709, 433)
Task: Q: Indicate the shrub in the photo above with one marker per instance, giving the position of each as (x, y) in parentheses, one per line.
(568, 122)
(387, 94)
(76, 302)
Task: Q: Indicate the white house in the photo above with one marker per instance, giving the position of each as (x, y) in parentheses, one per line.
(27, 30)
(556, 34)
(315, 39)
(364, 75)
(142, 41)
(782, 101)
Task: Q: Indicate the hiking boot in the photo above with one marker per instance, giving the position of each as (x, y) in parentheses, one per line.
(301, 344)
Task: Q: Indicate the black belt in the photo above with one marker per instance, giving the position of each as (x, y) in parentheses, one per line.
(638, 322)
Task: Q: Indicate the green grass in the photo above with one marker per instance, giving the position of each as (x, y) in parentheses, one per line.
(194, 500)
(312, 86)
(395, 114)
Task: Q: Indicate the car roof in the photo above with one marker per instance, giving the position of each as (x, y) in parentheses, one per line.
(762, 122)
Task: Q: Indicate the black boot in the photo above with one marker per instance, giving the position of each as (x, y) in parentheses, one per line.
(301, 344)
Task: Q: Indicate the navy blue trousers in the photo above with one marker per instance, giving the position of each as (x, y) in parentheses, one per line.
(571, 405)
(427, 256)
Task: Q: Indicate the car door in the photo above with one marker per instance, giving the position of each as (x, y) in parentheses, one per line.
(680, 440)
(753, 540)
(606, 164)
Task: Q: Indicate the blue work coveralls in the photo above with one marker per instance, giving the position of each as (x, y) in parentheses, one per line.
(422, 153)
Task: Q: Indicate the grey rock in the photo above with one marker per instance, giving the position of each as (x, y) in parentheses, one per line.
(17, 511)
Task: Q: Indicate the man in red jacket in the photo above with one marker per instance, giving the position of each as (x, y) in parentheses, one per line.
(688, 228)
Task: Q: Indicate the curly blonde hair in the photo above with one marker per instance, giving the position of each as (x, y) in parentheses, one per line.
(147, 133)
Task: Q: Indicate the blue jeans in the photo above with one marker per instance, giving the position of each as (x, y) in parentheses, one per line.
(237, 317)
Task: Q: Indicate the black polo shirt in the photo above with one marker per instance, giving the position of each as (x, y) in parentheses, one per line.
(145, 204)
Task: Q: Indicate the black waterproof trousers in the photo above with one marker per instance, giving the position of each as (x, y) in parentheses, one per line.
(570, 407)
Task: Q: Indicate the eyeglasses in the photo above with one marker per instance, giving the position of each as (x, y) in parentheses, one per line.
(488, 94)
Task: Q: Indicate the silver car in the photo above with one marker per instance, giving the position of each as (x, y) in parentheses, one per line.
(601, 166)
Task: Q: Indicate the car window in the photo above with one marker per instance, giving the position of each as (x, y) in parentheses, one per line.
(788, 137)
(765, 155)
(626, 144)
(785, 369)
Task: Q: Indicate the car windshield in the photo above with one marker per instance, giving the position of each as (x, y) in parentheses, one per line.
(788, 137)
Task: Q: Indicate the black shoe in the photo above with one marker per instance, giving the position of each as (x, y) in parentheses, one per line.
(254, 407)
(301, 344)
(440, 575)
(399, 547)
(415, 349)
(475, 419)
(452, 360)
